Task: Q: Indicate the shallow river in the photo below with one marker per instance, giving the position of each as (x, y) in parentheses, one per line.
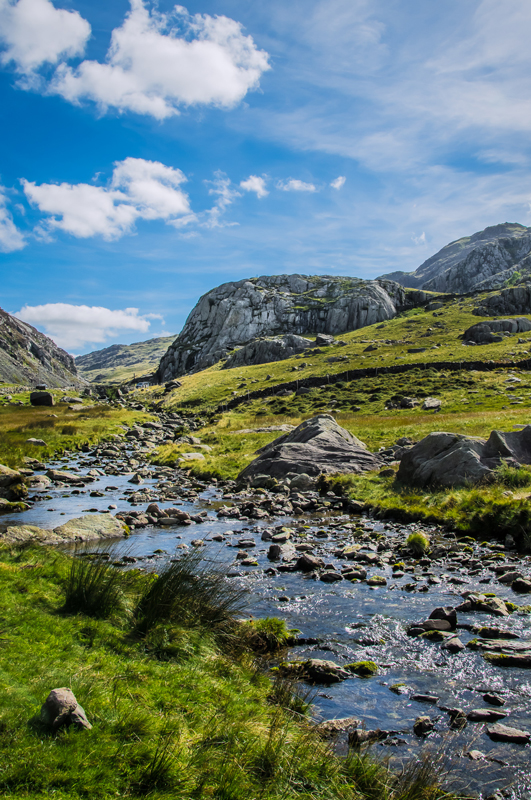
(353, 622)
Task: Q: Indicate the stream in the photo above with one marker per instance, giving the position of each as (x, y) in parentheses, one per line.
(351, 621)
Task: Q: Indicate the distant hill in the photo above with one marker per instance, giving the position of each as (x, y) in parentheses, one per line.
(121, 362)
(29, 357)
(485, 261)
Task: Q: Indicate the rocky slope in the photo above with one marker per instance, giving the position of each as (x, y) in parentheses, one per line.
(121, 362)
(29, 357)
(233, 314)
(484, 261)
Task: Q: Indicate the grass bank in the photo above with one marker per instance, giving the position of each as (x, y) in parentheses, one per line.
(59, 427)
(177, 710)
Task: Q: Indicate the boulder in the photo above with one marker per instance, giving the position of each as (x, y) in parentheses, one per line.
(309, 563)
(263, 351)
(41, 399)
(318, 445)
(9, 476)
(448, 459)
(493, 330)
(314, 670)
(503, 733)
(61, 709)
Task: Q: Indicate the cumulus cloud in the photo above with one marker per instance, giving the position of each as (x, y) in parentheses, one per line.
(34, 32)
(220, 187)
(294, 185)
(139, 189)
(339, 182)
(10, 236)
(157, 62)
(72, 327)
(255, 184)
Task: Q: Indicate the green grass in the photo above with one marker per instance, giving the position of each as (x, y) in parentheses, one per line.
(195, 723)
(59, 427)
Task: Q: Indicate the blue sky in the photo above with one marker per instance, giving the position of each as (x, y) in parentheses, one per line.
(151, 152)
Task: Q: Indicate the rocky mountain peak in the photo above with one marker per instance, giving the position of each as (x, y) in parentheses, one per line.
(484, 261)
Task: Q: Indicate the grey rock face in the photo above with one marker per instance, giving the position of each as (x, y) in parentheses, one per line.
(483, 261)
(29, 357)
(262, 351)
(318, 445)
(450, 459)
(515, 300)
(234, 314)
(493, 330)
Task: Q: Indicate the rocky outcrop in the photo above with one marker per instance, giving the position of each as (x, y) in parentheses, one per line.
(450, 459)
(481, 262)
(495, 330)
(237, 313)
(318, 445)
(262, 351)
(29, 357)
(515, 300)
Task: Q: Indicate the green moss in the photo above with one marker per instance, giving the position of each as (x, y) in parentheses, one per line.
(364, 669)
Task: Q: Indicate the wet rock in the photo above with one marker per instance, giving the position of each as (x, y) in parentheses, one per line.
(521, 585)
(309, 563)
(314, 670)
(61, 709)
(485, 715)
(331, 728)
(434, 625)
(446, 613)
(458, 718)
(424, 698)
(453, 645)
(520, 660)
(509, 577)
(423, 725)
(377, 580)
(358, 737)
(493, 699)
(329, 576)
(503, 733)
(59, 476)
(9, 476)
(318, 445)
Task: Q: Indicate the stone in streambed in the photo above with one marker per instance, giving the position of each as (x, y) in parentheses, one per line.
(314, 670)
(503, 733)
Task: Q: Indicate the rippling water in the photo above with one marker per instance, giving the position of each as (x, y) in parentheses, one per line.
(352, 622)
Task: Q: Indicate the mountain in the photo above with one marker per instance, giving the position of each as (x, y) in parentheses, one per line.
(233, 314)
(121, 362)
(484, 261)
(29, 357)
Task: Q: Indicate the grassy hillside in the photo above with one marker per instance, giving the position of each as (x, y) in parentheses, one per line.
(121, 362)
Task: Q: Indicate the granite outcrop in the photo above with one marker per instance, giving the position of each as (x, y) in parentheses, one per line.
(235, 314)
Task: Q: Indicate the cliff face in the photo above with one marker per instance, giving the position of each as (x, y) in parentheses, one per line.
(29, 357)
(482, 262)
(236, 313)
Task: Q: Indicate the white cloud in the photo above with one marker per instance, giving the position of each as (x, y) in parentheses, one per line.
(72, 327)
(157, 62)
(33, 32)
(339, 182)
(220, 186)
(139, 189)
(294, 185)
(255, 184)
(419, 240)
(10, 236)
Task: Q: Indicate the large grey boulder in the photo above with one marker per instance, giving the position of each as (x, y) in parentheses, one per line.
(236, 313)
(489, 331)
(449, 459)
(318, 445)
(262, 351)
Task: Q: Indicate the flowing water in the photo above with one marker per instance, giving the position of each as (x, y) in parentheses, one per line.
(351, 622)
